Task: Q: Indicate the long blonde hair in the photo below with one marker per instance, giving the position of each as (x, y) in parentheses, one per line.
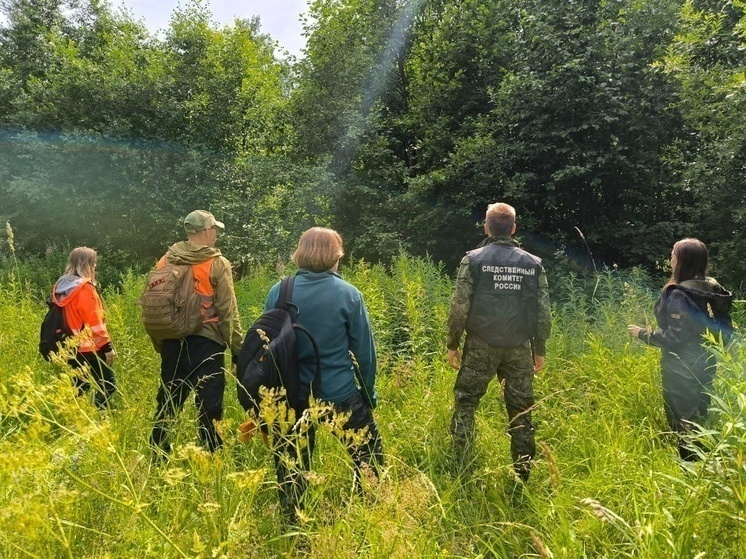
(82, 262)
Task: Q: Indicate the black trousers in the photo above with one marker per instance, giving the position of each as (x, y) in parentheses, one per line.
(686, 398)
(101, 373)
(192, 363)
(292, 452)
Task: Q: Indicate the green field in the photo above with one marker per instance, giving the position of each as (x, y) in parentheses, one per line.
(607, 482)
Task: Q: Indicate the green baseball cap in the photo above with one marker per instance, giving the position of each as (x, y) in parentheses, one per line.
(199, 220)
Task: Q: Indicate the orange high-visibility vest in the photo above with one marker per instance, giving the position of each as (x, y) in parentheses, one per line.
(83, 308)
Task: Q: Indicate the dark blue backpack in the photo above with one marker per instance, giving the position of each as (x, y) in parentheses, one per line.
(53, 331)
(274, 365)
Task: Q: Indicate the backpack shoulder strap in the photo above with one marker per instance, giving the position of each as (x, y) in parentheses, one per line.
(317, 358)
(286, 292)
(284, 301)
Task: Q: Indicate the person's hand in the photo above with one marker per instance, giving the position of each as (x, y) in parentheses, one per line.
(110, 356)
(538, 363)
(454, 358)
(634, 331)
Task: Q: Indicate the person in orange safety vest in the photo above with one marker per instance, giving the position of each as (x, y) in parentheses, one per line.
(197, 362)
(83, 314)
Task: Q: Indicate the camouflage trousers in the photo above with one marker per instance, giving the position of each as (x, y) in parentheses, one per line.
(513, 366)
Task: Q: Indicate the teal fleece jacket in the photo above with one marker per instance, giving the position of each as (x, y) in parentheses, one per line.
(334, 313)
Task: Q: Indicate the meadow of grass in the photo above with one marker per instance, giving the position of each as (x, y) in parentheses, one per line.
(77, 482)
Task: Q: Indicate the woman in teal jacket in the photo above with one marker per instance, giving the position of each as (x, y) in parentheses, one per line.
(333, 311)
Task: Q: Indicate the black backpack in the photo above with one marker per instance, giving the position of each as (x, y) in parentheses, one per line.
(274, 365)
(53, 331)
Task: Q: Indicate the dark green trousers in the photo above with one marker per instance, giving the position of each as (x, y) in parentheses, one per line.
(515, 367)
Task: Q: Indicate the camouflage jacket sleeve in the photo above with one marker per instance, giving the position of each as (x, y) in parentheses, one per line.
(545, 316)
(226, 306)
(460, 304)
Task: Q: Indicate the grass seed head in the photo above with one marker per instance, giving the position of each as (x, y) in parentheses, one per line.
(541, 549)
(598, 510)
(554, 475)
(11, 237)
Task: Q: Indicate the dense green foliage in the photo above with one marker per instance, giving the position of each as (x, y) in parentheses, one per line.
(707, 60)
(615, 128)
(607, 482)
(111, 136)
(583, 114)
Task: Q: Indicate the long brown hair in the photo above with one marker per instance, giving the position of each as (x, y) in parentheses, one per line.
(82, 263)
(691, 260)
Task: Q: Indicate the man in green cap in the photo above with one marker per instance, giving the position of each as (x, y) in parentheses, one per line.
(197, 362)
(502, 301)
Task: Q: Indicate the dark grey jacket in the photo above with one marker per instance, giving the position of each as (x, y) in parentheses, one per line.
(684, 313)
(465, 299)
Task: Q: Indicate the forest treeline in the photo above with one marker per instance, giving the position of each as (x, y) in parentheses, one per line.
(615, 127)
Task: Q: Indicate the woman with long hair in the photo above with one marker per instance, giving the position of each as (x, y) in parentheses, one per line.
(689, 305)
(83, 313)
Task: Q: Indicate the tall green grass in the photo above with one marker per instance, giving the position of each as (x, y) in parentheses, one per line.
(77, 482)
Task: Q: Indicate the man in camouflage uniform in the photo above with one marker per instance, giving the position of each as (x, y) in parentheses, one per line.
(502, 301)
